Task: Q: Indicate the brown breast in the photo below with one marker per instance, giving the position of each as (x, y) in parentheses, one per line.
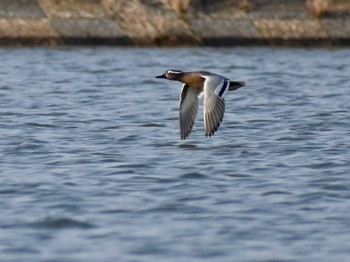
(193, 80)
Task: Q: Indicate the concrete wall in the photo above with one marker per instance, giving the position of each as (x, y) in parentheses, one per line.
(175, 22)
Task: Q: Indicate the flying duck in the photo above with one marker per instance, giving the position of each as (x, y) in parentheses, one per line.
(213, 87)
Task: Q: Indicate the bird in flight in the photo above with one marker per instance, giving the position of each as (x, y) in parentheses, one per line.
(213, 87)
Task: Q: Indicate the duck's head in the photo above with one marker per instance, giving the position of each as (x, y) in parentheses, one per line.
(171, 74)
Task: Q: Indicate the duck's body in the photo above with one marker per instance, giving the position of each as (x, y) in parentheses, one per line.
(213, 87)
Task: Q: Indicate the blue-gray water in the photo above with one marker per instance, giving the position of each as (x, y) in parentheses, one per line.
(92, 167)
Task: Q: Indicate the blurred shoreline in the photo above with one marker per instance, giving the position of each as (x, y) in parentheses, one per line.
(175, 22)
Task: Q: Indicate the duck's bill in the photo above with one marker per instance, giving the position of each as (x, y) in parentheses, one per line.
(161, 76)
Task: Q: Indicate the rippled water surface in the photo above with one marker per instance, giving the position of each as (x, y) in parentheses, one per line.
(92, 167)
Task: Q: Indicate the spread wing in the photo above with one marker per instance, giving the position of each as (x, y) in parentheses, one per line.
(188, 109)
(214, 104)
(214, 109)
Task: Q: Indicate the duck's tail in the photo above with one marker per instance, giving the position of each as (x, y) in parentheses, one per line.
(235, 85)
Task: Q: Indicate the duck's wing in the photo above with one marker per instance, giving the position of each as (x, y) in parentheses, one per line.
(188, 109)
(214, 104)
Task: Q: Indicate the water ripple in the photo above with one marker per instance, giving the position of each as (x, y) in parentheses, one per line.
(61, 223)
(93, 169)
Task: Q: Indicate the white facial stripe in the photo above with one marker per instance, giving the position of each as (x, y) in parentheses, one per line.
(174, 72)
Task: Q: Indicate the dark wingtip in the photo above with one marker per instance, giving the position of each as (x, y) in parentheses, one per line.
(209, 134)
